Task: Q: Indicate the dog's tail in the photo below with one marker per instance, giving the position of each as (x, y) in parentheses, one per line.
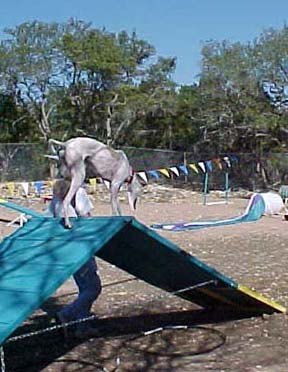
(52, 143)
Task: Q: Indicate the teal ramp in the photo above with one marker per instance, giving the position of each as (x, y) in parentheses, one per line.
(19, 208)
(38, 258)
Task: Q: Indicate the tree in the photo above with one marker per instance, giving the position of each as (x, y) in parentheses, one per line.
(234, 109)
(109, 79)
(32, 68)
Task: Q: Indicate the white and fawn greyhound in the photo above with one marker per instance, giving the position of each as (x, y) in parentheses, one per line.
(103, 161)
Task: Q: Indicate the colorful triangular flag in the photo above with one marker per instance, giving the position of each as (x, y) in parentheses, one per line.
(93, 183)
(38, 187)
(202, 166)
(154, 174)
(208, 164)
(194, 167)
(165, 172)
(184, 169)
(25, 187)
(50, 183)
(143, 176)
(217, 161)
(227, 161)
(11, 188)
(234, 158)
(175, 171)
(107, 183)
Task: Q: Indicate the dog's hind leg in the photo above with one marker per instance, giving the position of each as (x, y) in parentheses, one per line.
(114, 189)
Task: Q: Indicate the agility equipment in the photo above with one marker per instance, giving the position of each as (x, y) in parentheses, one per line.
(206, 190)
(19, 208)
(259, 204)
(283, 191)
(273, 203)
(21, 219)
(254, 210)
(39, 257)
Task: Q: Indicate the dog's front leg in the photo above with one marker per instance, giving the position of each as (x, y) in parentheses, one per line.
(77, 179)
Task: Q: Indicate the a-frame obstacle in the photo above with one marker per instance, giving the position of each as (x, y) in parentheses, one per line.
(38, 258)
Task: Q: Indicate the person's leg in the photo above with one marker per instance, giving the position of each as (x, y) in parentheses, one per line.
(89, 285)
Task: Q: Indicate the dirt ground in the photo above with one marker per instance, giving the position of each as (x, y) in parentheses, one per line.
(253, 254)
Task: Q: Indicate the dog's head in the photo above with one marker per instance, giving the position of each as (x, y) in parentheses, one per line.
(59, 161)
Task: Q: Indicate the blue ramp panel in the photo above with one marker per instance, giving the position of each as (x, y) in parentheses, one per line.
(39, 257)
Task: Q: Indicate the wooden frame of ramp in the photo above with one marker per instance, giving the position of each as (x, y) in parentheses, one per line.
(39, 257)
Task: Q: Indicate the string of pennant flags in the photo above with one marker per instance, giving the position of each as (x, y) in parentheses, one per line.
(196, 167)
(38, 188)
(26, 189)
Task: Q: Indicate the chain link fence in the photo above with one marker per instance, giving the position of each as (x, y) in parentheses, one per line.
(247, 171)
(23, 162)
(26, 162)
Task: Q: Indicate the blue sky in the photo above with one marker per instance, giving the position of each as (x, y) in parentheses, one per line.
(174, 27)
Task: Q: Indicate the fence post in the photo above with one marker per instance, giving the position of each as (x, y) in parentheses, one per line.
(205, 191)
(185, 164)
(226, 186)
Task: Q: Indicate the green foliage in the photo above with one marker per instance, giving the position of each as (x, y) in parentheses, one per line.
(68, 79)
(14, 121)
(237, 114)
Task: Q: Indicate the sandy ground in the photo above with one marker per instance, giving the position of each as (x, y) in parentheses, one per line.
(253, 254)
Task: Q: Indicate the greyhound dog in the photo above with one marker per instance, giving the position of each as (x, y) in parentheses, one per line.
(103, 161)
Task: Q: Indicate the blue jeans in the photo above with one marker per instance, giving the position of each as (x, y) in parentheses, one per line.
(89, 285)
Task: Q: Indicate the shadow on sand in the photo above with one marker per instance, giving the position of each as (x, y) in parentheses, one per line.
(121, 333)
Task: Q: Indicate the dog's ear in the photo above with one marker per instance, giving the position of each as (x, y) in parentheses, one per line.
(52, 157)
